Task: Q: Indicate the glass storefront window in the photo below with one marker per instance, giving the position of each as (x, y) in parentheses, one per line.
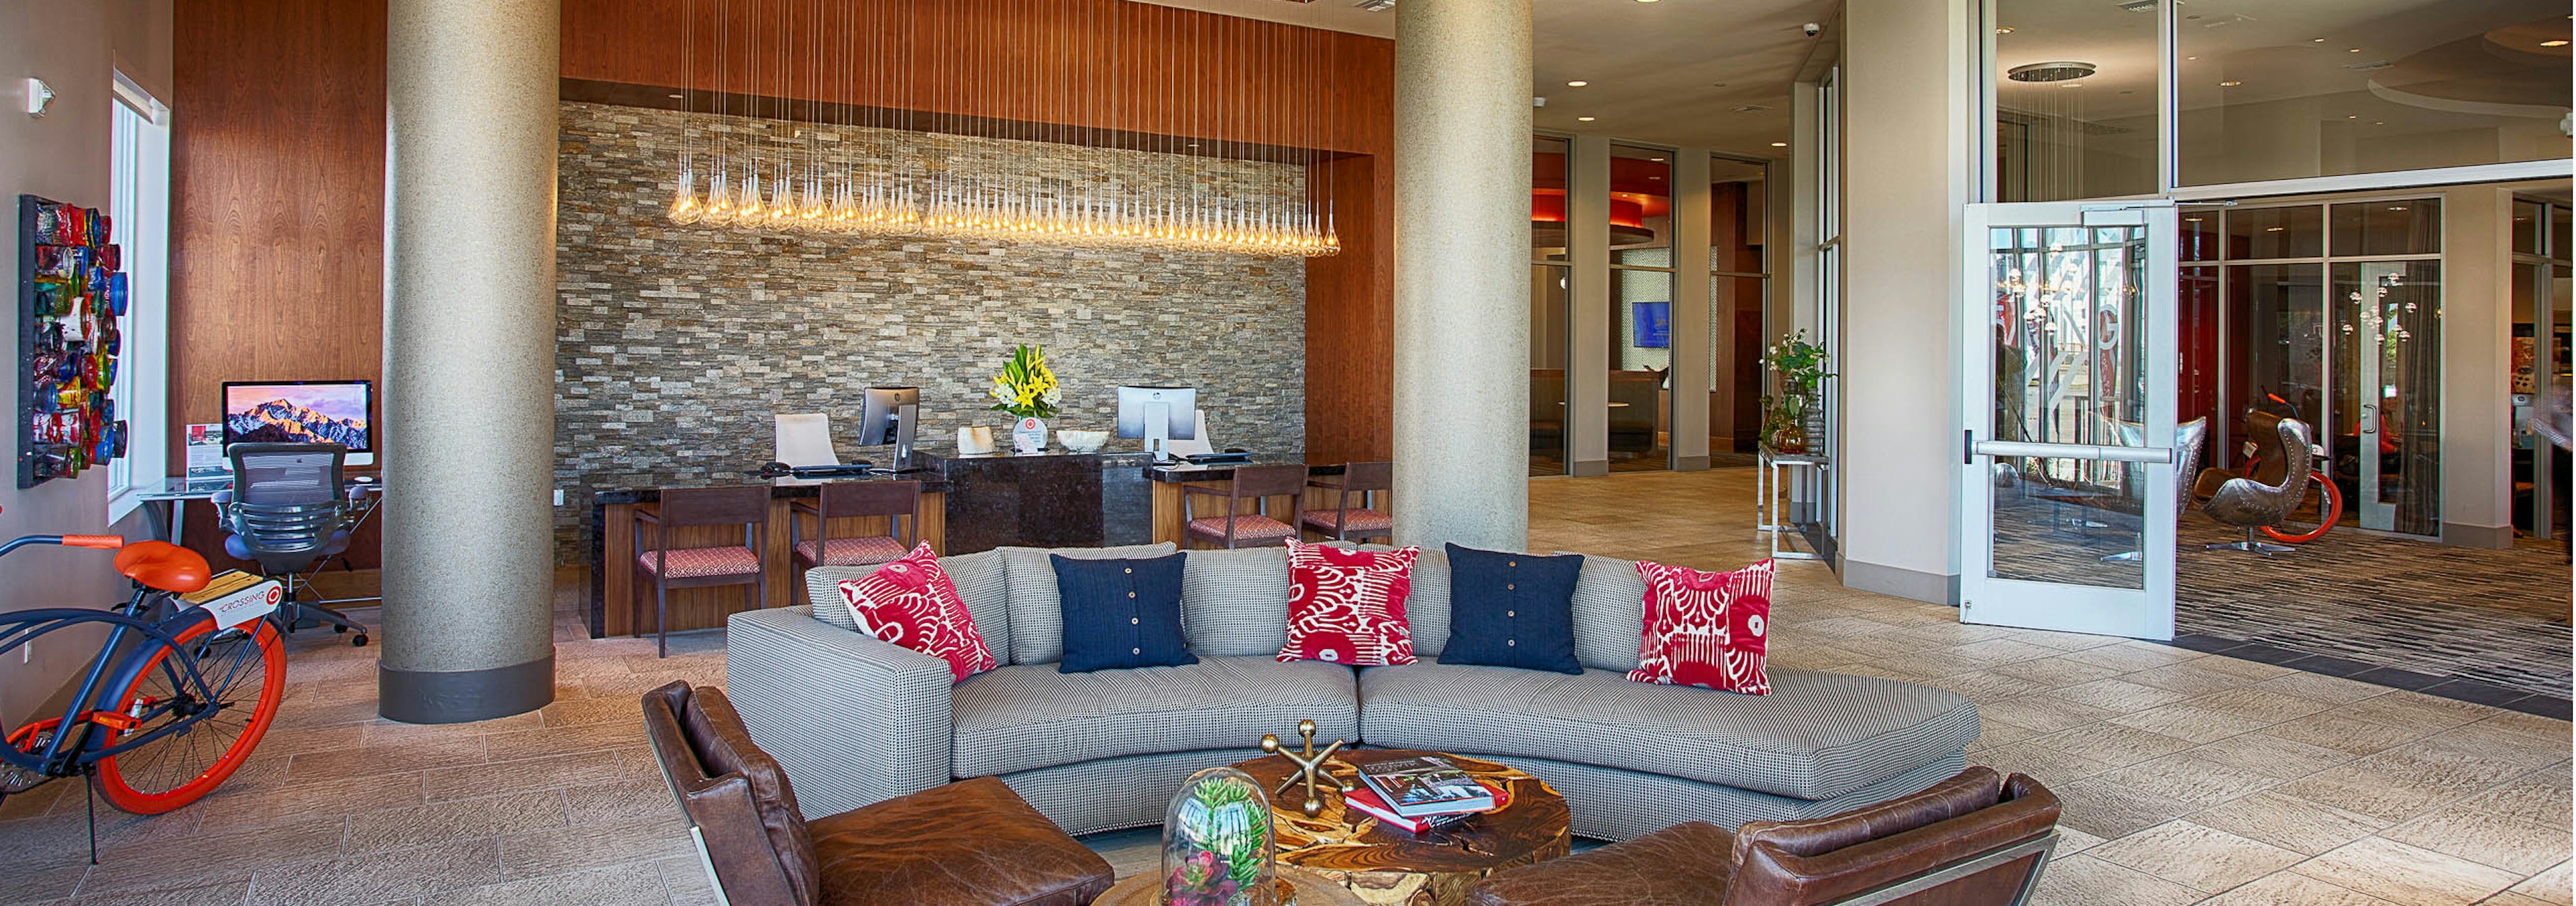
(2406, 226)
(2199, 230)
(1548, 167)
(2270, 91)
(2385, 439)
(1551, 297)
(2075, 100)
(2254, 234)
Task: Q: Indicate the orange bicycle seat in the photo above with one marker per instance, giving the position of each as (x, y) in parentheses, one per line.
(163, 565)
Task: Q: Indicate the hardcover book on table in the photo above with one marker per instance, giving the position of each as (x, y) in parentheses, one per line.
(1365, 801)
(1415, 787)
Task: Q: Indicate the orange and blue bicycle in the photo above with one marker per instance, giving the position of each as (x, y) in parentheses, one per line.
(185, 684)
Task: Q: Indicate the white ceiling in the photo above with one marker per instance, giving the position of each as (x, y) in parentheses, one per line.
(1656, 69)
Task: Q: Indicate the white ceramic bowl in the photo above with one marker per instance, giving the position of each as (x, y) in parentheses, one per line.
(1083, 441)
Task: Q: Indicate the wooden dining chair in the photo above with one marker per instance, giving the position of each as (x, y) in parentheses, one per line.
(1236, 528)
(663, 567)
(898, 502)
(1344, 522)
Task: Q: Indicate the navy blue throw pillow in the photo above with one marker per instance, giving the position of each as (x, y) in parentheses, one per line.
(1512, 610)
(1121, 613)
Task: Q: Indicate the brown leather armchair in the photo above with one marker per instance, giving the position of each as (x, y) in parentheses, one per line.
(970, 843)
(1971, 840)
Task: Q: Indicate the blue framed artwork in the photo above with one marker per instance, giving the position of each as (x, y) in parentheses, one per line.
(1654, 325)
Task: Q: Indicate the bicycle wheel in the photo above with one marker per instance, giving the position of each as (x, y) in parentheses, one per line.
(245, 672)
(2314, 516)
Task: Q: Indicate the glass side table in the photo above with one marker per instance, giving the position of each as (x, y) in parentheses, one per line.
(1799, 476)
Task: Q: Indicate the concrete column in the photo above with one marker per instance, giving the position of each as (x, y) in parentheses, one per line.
(1696, 326)
(1587, 363)
(2477, 367)
(1907, 168)
(1462, 140)
(469, 358)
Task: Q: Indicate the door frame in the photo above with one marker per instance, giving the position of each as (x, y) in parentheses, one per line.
(2146, 612)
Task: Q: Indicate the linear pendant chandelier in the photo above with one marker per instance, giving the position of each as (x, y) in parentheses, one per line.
(765, 80)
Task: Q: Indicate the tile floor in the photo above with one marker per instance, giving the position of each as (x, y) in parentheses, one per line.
(2188, 777)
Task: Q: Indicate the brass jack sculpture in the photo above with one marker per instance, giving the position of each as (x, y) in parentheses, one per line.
(1309, 764)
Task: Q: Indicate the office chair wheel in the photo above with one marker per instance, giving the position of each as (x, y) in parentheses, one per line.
(358, 641)
(340, 629)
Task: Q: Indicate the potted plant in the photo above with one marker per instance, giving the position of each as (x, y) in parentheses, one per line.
(1796, 416)
(1027, 390)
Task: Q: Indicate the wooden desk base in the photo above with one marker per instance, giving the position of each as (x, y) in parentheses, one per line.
(627, 609)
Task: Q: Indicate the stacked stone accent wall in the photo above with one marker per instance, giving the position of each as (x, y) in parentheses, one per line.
(675, 344)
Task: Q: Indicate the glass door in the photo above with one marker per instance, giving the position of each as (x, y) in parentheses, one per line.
(2067, 487)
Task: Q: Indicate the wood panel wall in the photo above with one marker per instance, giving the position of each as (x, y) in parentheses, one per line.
(277, 159)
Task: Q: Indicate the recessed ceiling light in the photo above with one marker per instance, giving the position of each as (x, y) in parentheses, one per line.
(2354, 50)
(2379, 122)
(1656, 159)
(2397, 207)
(2003, 29)
(2352, 116)
(1779, 144)
(1655, 177)
(2191, 220)
(2271, 229)
(1645, 1)
(2191, 58)
(2553, 43)
(1578, 83)
(1583, 119)
(2230, 83)
(2316, 40)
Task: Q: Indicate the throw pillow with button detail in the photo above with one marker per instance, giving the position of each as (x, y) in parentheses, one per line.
(1512, 610)
(1121, 613)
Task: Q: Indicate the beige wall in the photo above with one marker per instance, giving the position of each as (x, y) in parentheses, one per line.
(74, 46)
(1906, 178)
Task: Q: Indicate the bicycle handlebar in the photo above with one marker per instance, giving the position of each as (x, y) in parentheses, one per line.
(100, 542)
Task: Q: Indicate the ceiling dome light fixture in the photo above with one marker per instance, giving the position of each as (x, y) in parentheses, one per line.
(1578, 83)
(1584, 119)
(1779, 144)
(2054, 71)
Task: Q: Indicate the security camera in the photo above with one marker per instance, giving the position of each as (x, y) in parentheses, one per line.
(1813, 29)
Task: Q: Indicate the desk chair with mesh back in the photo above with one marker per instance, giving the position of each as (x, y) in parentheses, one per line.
(286, 512)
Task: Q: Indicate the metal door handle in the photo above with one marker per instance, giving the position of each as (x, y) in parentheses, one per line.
(2093, 452)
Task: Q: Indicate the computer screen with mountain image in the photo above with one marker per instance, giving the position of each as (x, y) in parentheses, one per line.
(337, 412)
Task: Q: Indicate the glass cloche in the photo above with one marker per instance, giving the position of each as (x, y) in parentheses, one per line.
(1217, 844)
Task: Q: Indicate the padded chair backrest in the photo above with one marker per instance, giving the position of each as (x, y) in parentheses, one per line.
(714, 506)
(805, 439)
(286, 474)
(2189, 438)
(1268, 481)
(1974, 838)
(871, 498)
(735, 796)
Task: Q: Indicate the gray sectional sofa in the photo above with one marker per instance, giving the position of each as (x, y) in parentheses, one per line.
(855, 720)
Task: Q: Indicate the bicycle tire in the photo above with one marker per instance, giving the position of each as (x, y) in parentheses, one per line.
(181, 768)
(2329, 510)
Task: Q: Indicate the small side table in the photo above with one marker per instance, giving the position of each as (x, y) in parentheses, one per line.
(1807, 471)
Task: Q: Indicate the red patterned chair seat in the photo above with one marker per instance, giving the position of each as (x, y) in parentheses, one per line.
(850, 551)
(699, 562)
(1246, 528)
(1359, 522)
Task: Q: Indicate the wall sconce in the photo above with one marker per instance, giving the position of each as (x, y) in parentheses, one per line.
(39, 97)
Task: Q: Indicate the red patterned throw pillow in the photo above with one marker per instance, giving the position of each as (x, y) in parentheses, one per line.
(1346, 606)
(912, 603)
(1706, 629)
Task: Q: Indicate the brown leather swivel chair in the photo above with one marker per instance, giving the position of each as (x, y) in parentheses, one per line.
(970, 843)
(1972, 840)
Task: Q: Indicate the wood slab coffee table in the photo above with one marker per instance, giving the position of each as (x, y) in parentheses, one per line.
(1312, 890)
(1385, 865)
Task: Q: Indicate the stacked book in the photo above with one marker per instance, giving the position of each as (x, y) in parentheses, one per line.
(1421, 794)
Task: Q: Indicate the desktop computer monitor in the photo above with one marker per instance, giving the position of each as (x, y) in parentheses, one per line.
(303, 412)
(881, 415)
(1158, 415)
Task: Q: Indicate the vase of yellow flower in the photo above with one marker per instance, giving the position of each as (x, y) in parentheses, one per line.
(1027, 389)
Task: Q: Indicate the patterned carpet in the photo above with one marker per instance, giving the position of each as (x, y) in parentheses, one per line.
(2395, 611)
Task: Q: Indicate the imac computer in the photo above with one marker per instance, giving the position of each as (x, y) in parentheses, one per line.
(303, 412)
(1158, 415)
(891, 415)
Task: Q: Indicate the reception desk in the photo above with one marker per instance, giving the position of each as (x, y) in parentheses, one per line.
(969, 504)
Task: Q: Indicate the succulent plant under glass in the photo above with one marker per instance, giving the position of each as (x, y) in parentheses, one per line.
(1217, 844)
